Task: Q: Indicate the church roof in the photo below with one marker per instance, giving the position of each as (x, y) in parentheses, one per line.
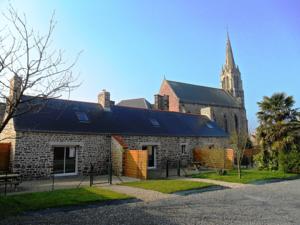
(136, 103)
(74, 117)
(191, 93)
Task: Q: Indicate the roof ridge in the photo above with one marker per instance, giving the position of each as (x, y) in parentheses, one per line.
(163, 111)
(62, 99)
(195, 85)
(133, 99)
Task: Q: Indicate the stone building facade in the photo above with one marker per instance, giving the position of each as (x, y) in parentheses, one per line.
(166, 148)
(68, 137)
(34, 152)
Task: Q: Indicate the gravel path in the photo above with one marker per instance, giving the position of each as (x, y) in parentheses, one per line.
(270, 204)
(145, 195)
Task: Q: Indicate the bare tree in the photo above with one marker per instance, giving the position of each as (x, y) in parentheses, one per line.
(238, 143)
(30, 67)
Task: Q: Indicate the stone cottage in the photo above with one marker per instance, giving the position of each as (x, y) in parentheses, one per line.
(65, 137)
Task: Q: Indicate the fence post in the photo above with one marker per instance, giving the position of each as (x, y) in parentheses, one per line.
(109, 172)
(178, 168)
(167, 169)
(52, 181)
(5, 185)
(91, 175)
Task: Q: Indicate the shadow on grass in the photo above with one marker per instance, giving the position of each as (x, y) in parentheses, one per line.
(82, 206)
(17, 204)
(274, 180)
(201, 190)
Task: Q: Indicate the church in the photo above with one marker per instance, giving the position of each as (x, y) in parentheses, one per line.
(225, 105)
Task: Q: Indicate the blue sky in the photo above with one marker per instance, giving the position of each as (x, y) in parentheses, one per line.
(129, 46)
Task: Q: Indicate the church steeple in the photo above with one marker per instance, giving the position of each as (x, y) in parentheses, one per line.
(229, 55)
(231, 77)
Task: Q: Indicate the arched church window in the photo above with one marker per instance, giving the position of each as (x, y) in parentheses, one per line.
(236, 120)
(225, 123)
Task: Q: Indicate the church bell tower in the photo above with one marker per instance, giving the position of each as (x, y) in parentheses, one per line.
(231, 77)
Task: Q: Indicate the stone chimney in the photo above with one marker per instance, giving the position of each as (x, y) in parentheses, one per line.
(15, 88)
(104, 99)
(209, 112)
(161, 102)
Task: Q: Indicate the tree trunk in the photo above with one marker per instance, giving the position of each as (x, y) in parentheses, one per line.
(239, 168)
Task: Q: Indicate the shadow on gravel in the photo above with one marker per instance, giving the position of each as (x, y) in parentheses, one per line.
(270, 181)
(78, 207)
(202, 190)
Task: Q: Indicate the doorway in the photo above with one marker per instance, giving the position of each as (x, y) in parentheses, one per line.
(152, 151)
(64, 161)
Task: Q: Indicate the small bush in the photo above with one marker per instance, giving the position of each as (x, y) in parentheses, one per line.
(290, 162)
(260, 161)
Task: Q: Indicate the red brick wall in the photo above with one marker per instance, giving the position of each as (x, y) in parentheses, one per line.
(165, 89)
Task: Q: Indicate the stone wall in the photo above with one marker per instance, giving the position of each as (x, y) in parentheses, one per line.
(33, 152)
(170, 147)
(218, 113)
(33, 156)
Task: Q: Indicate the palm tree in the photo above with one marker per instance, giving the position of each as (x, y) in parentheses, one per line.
(279, 123)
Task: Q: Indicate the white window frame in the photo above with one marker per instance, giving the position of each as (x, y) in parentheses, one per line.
(76, 159)
(155, 152)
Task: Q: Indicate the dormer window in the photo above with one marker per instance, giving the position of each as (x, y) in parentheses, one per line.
(82, 117)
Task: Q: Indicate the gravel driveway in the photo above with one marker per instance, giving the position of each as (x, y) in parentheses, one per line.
(277, 203)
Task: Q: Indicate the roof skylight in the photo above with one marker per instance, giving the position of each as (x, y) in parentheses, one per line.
(209, 125)
(154, 122)
(82, 117)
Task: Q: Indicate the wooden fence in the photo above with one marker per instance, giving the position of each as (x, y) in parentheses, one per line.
(4, 156)
(215, 158)
(135, 163)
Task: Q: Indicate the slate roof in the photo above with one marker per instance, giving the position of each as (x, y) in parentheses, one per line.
(60, 116)
(136, 103)
(191, 93)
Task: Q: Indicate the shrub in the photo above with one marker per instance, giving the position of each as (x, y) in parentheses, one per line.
(261, 160)
(290, 162)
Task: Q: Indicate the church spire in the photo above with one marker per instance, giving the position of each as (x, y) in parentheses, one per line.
(229, 55)
(231, 77)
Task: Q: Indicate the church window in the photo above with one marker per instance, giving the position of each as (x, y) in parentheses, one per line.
(236, 120)
(225, 123)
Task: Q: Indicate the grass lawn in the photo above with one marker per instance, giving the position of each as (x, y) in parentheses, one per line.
(15, 204)
(168, 186)
(248, 176)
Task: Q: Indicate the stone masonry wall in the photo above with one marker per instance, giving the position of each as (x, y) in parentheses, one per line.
(219, 113)
(169, 147)
(34, 152)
